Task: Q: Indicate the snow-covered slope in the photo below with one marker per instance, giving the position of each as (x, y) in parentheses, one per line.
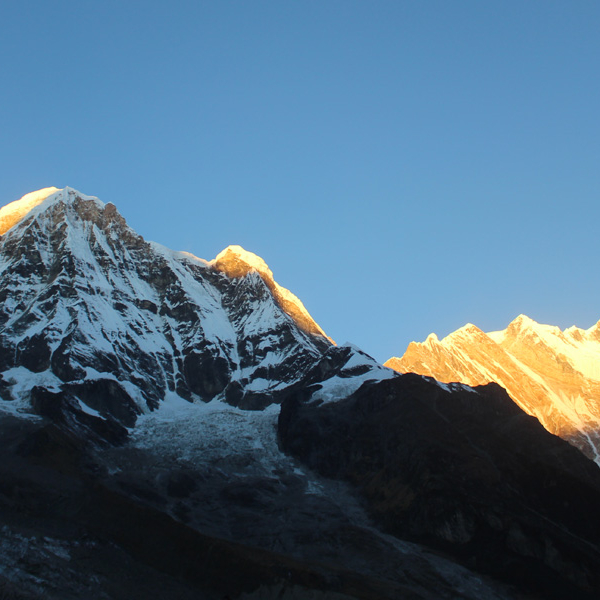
(553, 375)
(88, 307)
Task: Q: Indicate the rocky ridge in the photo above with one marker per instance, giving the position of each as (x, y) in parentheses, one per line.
(551, 374)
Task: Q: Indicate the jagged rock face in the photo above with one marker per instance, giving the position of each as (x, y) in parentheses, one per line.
(88, 307)
(463, 470)
(553, 375)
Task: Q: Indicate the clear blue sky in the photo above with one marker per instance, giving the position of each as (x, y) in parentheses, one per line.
(403, 167)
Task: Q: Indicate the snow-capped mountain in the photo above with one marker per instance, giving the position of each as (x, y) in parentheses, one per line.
(175, 427)
(553, 375)
(89, 308)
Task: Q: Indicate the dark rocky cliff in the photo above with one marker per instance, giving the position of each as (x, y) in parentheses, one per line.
(464, 471)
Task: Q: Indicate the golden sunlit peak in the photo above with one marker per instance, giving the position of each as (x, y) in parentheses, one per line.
(469, 330)
(12, 213)
(37, 196)
(236, 261)
(432, 338)
(522, 321)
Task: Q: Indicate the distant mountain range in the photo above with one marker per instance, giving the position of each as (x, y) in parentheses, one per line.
(180, 428)
(551, 374)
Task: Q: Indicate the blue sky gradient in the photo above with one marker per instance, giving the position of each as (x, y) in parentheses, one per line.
(403, 167)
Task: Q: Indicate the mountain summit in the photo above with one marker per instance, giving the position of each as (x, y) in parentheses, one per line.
(236, 262)
(12, 213)
(553, 375)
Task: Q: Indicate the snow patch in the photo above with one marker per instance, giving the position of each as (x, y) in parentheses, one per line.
(21, 381)
(339, 388)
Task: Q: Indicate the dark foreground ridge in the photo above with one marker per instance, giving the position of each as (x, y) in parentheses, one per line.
(463, 471)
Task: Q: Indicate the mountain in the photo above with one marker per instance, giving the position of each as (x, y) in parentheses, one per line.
(176, 427)
(551, 374)
(90, 308)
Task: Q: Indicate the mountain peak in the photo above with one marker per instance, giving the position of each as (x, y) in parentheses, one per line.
(469, 330)
(237, 262)
(523, 322)
(12, 213)
(523, 325)
(16, 211)
(432, 339)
